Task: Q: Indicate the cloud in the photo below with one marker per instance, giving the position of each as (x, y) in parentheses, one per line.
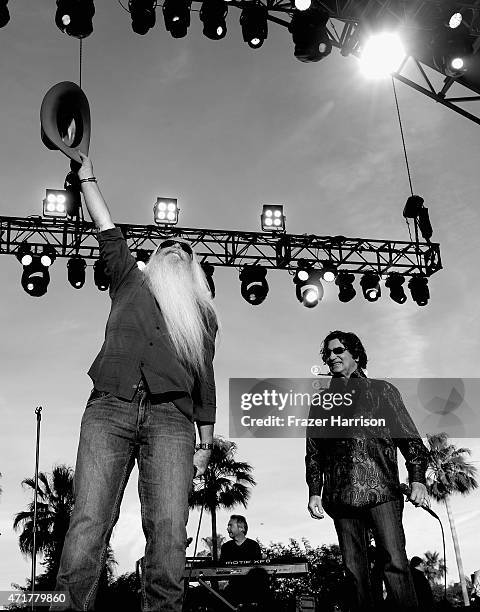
(176, 68)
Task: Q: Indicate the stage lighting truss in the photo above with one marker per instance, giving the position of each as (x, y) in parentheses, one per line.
(75, 17)
(143, 15)
(254, 288)
(208, 270)
(212, 15)
(166, 211)
(309, 33)
(272, 218)
(76, 266)
(176, 14)
(253, 20)
(370, 283)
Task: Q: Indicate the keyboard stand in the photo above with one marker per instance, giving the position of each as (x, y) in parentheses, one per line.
(217, 595)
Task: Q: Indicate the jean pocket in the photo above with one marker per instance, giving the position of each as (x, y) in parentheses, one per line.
(96, 394)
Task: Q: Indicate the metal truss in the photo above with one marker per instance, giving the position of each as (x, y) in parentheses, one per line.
(229, 248)
(417, 20)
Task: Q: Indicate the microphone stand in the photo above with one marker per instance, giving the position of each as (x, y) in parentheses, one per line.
(38, 412)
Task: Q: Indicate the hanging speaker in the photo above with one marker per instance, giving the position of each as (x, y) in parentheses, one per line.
(65, 120)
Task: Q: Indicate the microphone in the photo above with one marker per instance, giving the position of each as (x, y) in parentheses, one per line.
(406, 490)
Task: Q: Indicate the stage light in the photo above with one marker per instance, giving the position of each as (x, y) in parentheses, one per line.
(143, 15)
(382, 54)
(48, 256)
(418, 286)
(370, 283)
(35, 278)
(329, 271)
(455, 20)
(100, 277)
(310, 291)
(453, 50)
(24, 254)
(166, 211)
(55, 203)
(309, 33)
(254, 288)
(272, 218)
(303, 5)
(212, 15)
(176, 14)
(346, 290)
(4, 14)
(395, 283)
(253, 20)
(76, 271)
(74, 17)
(208, 270)
(415, 209)
(142, 257)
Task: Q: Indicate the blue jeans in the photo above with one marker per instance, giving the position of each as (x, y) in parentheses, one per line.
(113, 434)
(385, 522)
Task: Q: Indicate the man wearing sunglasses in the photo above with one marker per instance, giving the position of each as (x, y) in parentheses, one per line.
(354, 478)
(153, 380)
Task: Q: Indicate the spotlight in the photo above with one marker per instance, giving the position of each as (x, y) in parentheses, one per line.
(382, 54)
(55, 203)
(253, 20)
(303, 5)
(76, 271)
(394, 282)
(143, 15)
(415, 209)
(370, 283)
(254, 287)
(346, 290)
(142, 258)
(48, 256)
(35, 278)
(100, 277)
(24, 254)
(309, 34)
(309, 291)
(166, 211)
(329, 271)
(176, 14)
(418, 286)
(208, 270)
(453, 50)
(212, 14)
(4, 14)
(272, 218)
(455, 20)
(74, 17)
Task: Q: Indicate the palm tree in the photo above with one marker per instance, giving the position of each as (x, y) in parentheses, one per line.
(55, 503)
(433, 566)
(224, 484)
(448, 473)
(209, 544)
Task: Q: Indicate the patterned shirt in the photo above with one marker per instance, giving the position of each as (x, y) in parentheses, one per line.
(137, 343)
(362, 470)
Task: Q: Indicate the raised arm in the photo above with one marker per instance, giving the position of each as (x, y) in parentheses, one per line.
(96, 205)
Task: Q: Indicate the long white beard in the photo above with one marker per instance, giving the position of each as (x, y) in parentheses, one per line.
(184, 300)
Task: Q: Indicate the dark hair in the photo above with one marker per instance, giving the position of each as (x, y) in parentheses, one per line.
(415, 561)
(241, 522)
(351, 342)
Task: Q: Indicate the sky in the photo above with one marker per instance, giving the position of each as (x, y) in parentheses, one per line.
(227, 129)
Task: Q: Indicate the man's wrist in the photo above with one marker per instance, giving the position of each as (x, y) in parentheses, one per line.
(204, 446)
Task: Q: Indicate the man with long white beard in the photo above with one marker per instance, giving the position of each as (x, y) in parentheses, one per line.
(153, 379)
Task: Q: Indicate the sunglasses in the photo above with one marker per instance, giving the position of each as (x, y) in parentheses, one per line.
(338, 350)
(186, 248)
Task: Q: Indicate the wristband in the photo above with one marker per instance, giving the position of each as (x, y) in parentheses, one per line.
(204, 446)
(91, 179)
